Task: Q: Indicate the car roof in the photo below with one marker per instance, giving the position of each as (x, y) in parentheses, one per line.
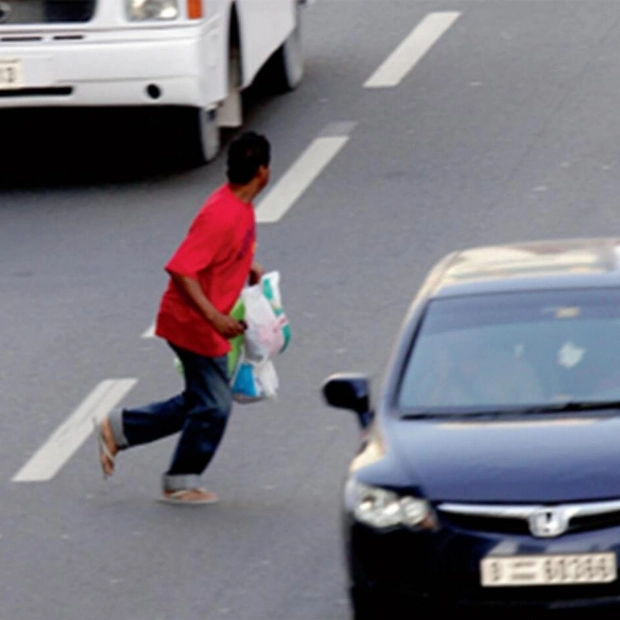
(537, 265)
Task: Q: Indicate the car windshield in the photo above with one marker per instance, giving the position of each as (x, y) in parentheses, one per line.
(514, 350)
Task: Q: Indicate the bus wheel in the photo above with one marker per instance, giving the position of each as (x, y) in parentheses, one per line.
(285, 68)
(204, 134)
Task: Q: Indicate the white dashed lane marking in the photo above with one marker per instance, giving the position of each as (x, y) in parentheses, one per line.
(413, 48)
(303, 172)
(72, 433)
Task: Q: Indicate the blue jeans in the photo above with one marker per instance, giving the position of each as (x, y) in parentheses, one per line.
(199, 413)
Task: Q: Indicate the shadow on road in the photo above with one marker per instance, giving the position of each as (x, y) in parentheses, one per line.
(74, 147)
(49, 147)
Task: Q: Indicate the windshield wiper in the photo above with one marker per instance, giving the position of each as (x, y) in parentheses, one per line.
(467, 413)
(562, 407)
(575, 405)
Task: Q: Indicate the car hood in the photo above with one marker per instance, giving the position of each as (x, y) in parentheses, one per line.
(548, 459)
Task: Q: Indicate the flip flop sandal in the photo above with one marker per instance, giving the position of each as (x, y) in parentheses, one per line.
(104, 451)
(176, 497)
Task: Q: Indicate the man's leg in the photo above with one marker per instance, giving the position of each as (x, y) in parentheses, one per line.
(132, 427)
(125, 428)
(209, 402)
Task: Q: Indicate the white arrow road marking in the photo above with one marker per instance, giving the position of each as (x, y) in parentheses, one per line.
(149, 332)
(72, 433)
(405, 57)
(303, 172)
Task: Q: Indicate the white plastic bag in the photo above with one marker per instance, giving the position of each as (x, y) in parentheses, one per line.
(253, 374)
(254, 381)
(267, 335)
(268, 331)
(267, 378)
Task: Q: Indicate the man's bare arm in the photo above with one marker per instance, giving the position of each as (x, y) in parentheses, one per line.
(226, 325)
(256, 273)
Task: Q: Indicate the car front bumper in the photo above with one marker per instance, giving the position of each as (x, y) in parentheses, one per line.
(442, 569)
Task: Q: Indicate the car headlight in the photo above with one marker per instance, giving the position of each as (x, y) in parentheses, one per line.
(142, 10)
(383, 509)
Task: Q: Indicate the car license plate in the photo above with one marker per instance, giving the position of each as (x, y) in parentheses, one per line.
(548, 570)
(11, 73)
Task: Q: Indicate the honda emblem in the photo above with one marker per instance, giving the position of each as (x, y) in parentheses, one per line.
(548, 522)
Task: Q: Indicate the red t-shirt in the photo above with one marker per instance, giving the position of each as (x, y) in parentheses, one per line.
(218, 251)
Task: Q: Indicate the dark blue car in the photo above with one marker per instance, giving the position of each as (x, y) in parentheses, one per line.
(489, 473)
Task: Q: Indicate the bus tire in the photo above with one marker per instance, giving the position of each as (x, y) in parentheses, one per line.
(204, 135)
(285, 69)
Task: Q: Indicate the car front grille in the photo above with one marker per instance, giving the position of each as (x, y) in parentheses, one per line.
(595, 522)
(487, 524)
(517, 519)
(33, 12)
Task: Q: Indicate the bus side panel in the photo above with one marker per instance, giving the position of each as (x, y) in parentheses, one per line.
(215, 51)
(264, 25)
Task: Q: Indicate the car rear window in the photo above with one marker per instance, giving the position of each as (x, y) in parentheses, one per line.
(514, 349)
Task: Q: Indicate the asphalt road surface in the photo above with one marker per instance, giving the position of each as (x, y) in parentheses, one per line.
(504, 129)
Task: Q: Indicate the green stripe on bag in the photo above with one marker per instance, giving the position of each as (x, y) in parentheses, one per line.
(278, 310)
(236, 343)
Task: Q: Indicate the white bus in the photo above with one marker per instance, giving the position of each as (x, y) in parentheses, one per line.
(192, 56)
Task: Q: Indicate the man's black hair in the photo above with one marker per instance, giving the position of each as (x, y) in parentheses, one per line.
(246, 155)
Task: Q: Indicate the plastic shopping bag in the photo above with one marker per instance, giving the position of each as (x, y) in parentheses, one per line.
(254, 381)
(250, 366)
(268, 332)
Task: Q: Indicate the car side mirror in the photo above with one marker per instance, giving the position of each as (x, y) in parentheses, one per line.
(349, 391)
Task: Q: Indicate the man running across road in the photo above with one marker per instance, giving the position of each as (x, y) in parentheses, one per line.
(207, 273)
